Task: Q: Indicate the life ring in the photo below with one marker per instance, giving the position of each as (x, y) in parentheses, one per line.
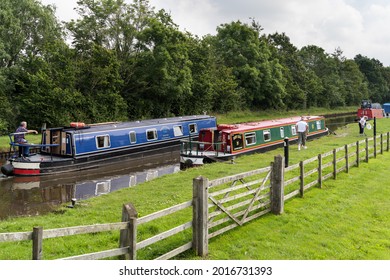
(77, 124)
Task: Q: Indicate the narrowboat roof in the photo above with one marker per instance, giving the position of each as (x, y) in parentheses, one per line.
(229, 128)
(134, 124)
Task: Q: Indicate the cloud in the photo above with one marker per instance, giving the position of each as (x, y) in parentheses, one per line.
(196, 17)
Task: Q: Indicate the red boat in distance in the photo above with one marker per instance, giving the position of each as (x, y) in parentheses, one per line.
(370, 110)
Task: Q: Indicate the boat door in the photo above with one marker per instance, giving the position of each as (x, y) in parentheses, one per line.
(68, 144)
(59, 138)
(206, 136)
(217, 140)
(237, 141)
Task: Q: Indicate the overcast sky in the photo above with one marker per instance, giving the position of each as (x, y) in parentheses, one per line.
(355, 26)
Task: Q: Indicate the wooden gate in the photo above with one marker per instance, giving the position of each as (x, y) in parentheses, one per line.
(238, 199)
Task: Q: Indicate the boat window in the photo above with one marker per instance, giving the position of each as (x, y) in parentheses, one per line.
(151, 134)
(267, 135)
(103, 141)
(318, 123)
(293, 130)
(193, 128)
(282, 132)
(178, 130)
(133, 137)
(250, 138)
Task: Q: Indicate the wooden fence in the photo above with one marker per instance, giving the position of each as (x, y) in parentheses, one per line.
(218, 205)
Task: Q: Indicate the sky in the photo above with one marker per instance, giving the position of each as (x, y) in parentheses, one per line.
(354, 26)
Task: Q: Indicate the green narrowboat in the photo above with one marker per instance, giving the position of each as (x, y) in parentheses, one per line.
(229, 140)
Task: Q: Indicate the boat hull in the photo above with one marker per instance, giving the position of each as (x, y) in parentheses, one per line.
(40, 164)
(371, 113)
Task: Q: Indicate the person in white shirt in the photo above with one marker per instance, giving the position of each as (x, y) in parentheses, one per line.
(302, 128)
(362, 124)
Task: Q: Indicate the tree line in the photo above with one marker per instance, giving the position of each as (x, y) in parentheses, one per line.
(122, 61)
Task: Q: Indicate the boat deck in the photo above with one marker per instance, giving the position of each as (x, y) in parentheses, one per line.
(42, 158)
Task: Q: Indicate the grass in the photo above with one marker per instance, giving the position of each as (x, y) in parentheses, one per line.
(347, 219)
(4, 141)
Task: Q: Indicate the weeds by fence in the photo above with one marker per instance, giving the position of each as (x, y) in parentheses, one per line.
(218, 205)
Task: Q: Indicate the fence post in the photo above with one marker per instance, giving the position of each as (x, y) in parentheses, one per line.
(302, 177)
(200, 238)
(357, 154)
(346, 159)
(334, 164)
(375, 146)
(388, 141)
(128, 237)
(277, 185)
(37, 239)
(381, 143)
(286, 151)
(366, 149)
(320, 171)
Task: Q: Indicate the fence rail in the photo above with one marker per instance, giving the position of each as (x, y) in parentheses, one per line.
(219, 205)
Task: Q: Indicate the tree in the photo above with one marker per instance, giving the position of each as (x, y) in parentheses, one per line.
(293, 70)
(356, 88)
(214, 87)
(372, 69)
(259, 77)
(162, 75)
(325, 68)
(27, 29)
(47, 92)
(99, 82)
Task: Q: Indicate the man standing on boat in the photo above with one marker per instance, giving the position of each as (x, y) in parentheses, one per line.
(19, 138)
(302, 128)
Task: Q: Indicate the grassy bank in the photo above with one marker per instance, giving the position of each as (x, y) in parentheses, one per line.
(245, 116)
(347, 219)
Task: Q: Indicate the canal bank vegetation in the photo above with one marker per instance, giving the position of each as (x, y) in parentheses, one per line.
(347, 219)
(127, 60)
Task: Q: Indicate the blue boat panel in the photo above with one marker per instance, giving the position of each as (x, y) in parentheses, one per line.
(86, 141)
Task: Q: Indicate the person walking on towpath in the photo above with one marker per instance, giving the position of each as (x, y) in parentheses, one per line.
(302, 128)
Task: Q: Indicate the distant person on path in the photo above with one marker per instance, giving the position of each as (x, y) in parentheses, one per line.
(302, 128)
(19, 138)
(362, 124)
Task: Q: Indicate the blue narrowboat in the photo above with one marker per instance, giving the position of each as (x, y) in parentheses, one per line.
(386, 108)
(80, 147)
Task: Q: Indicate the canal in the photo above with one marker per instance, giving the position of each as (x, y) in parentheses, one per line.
(32, 196)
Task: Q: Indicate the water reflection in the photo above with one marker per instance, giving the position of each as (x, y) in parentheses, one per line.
(30, 196)
(335, 123)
